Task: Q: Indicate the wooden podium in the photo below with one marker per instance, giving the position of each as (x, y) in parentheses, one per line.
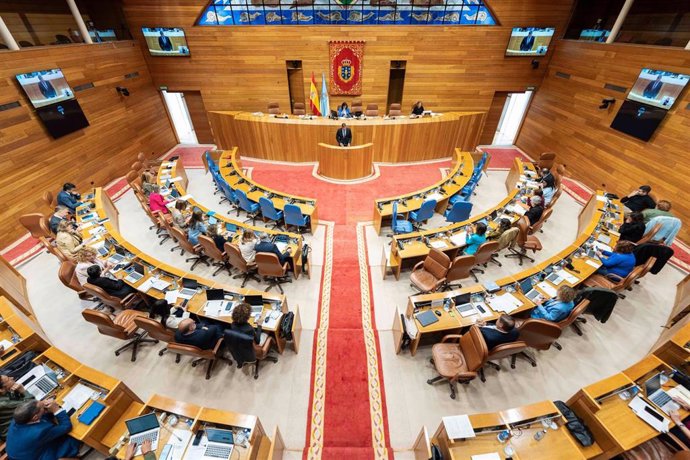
(345, 163)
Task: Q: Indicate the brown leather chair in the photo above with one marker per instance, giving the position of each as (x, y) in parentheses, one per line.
(247, 271)
(49, 198)
(458, 358)
(211, 250)
(243, 347)
(137, 166)
(123, 328)
(573, 318)
(532, 229)
(546, 160)
(298, 108)
(155, 164)
(646, 267)
(525, 242)
(483, 255)
(372, 110)
(558, 175)
(155, 330)
(134, 181)
(614, 282)
(271, 270)
(430, 274)
(539, 334)
(161, 226)
(554, 198)
(356, 106)
(507, 350)
(37, 225)
(394, 110)
(67, 275)
(111, 301)
(51, 248)
(506, 240)
(273, 108)
(646, 238)
(460, 269)
(186, 246)
(198, 354)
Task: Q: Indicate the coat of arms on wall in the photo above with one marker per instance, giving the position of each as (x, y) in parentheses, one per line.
(346, 66)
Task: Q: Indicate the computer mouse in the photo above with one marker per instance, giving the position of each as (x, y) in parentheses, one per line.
(438, 312)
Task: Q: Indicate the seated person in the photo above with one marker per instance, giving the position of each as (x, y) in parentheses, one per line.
(475, 238)
(39, 430)
(86, 257)
(503, 331)
(538, 192)
(548, 189)
(266, 245)
(180, 216)
(157, 202)
(344, 111)
(503, 225)
(248, 245)
(61, 213)
(12, 395)
(663, 208)
(418, 108)
(217, 238)
(633, 227)
(148, 182)
(115, 288)
(68, 240)
(535, 211)
(639, 200)
(547, 175)
(146, 451)
(556, 309)
(620, 262)
(68, 197)
(197, 226)
(198, 335)
(170, 316)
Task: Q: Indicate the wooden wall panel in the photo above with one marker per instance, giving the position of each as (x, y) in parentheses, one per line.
(564, 117)
(120, 128)
(493, 117)
(448, 68)
(197, 112)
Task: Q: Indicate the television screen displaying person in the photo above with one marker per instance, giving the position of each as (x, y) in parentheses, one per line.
(344, 136)
(652, 89)
(528, 42)
(46, 88)
(164, 42)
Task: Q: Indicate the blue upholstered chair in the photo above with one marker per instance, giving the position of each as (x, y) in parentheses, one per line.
(229, 195)
(459, 211)
(399, 225)
(247, 205)
(425, 212)
(268, 211)
(294, 216)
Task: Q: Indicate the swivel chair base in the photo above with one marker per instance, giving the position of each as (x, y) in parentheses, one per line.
(134, 344)
(197, 260)
(277, 281)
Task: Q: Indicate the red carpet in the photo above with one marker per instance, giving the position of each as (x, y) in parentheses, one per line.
(503, 157)
(191, 156)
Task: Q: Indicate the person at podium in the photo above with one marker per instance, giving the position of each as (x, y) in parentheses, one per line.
(418, 109)
(344, 136)
(344, 111)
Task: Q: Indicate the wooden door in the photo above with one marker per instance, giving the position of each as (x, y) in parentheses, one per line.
(197, 112)
(295, 86)
(493, 117)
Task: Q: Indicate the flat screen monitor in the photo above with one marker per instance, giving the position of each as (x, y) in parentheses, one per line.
(595, 35)
(638, 120)
(658, 88)
(529, 41)
(166, 41)
(106, 35)
(62, 118)
(45, 87)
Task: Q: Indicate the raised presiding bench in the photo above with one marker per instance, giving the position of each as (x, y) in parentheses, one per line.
(345, 163)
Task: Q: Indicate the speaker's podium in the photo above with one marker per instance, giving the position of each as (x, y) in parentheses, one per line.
(345, 163)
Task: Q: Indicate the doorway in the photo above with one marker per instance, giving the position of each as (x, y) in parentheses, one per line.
(513, 114)
(179, 114)
(396, 82)
(295, 83)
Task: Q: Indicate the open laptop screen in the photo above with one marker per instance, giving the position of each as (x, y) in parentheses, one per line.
(140, 424)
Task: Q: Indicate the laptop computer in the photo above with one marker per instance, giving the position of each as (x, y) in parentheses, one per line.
(105, 249)
(526, 287)
(135, 272)
(232, 228)
(220, 444)
(658, 396)
(215, 298)
(145, 427)
(256, 302)
(39, 382)
(554, 278)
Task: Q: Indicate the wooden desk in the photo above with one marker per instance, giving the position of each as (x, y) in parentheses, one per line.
(20, 333)
(345, 163)
(675, 350)
(443, 190)
(395, 140)
(230, 167)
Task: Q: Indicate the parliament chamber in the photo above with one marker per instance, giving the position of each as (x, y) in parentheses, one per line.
(306, 229)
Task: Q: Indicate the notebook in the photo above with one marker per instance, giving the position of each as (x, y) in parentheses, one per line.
(426, 318)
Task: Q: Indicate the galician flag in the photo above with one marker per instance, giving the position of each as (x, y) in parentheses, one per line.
(314, 97)
(325, 109)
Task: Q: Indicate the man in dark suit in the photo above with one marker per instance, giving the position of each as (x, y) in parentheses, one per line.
(35, 435)
(502, 332)
(528, 42)
(266, 245)
(344, 136)
(116, 288)
(61, 213)
(46, 88)
(652, 89)
(197, 335)
(164, 42)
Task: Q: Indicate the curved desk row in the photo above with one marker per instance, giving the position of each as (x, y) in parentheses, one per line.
(274, 304)
(395, 140)
(603, 406)
(172, 173)
(408, 248)
(441, 191)
(583, 267)
(107, 432)
(231, 170)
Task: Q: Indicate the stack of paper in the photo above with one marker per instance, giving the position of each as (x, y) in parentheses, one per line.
(281, 246)
(434, 196)
(5, 344)
(175, 179)
(159, 284)
(171, 296)
(596, 263)
(410, 327)
(78, 396)
(547, 289)
(459, 239)
(438, 244)
(570, 278)
(601, 246)
(458, 427)
(506, 303)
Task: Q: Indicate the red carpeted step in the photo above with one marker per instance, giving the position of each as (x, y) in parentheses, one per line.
(348, 453)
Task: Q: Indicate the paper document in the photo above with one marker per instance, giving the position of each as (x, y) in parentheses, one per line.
(410, 327)
(572, 279)
(85, 225)
(146, 285)
(594, 263)
(178, 442)
(491, 456)
(438, 244)
(602, 198)
(5, 344)
(650, 415)
(506, 303)
(185, 197)
(176, 179)
(677, 392)
(434, 196)
(273, 319)
(547, 289)
(97, 230)
(159, 284)
(281, 246)
(217, 307)
(601, 246)
(459, 239)
(78, 396)
(458, 427)
(171, 296)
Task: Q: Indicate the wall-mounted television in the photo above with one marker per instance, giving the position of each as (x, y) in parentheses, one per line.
(638, 120)
(595, 35)
(166, 41)
(62, 118)
(658, 88)
(105, 35)
(529, 41)
(45, 87)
